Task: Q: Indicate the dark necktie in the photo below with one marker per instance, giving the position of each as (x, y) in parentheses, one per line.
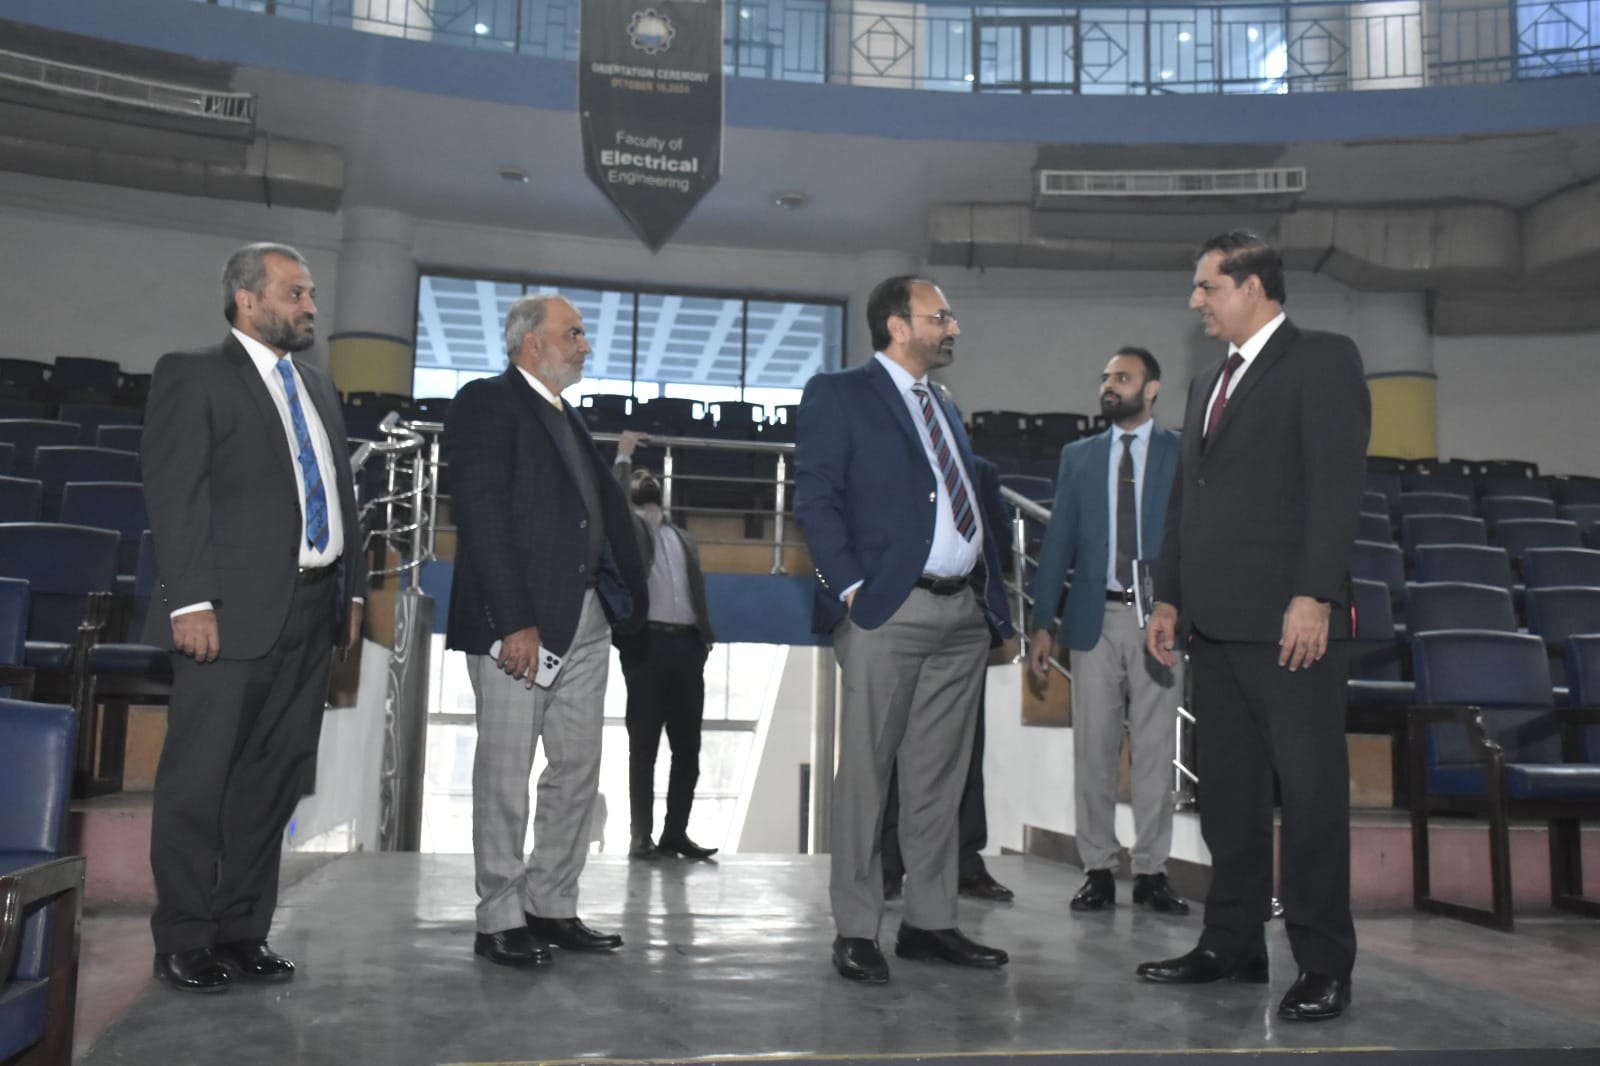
(960, 504)
(1235, 361)
(1127, 515)
(316, 497)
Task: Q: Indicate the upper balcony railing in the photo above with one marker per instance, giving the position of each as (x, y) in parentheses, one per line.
(1111, 49)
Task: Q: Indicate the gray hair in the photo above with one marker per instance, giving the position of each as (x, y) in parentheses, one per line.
(247, 270)
(525, 317)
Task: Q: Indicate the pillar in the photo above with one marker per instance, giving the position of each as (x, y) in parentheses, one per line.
(1397, 348)
(373, 346)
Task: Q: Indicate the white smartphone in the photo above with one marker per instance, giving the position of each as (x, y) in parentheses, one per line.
(549, 665)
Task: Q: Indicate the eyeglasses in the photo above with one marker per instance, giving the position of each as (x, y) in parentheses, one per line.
(938, 318)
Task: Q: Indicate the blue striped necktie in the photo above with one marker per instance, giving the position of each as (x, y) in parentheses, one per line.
(316, 499)
(954, 484)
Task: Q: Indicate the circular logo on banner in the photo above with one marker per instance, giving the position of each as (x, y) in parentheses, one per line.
(650, 33)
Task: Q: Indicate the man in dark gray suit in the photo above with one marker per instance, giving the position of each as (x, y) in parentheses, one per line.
(1259, 530)
(258, 547)
(546, 562)
(664, 666)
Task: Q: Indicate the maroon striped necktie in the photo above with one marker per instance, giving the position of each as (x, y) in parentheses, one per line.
(954, 484)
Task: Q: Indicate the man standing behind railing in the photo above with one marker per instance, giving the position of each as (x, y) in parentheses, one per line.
(909, 587)
(664, 666)
(1109, 511)
(546, 562)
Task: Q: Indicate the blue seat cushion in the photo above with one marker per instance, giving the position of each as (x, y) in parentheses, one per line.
(12, 861)
(1381, 693)
(22, 1016)
(47, 655)
(139, 660)
(1524, 781)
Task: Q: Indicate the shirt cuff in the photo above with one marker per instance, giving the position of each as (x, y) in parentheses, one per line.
(846, 593)
(193, 607)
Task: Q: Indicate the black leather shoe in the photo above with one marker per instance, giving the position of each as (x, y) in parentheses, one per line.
(195, 970)
(893, 886)
(947, 945)
(1152, 890)
(1202, 966)
(1315, 997)
(682, 845)
(858, 959)
(982, 886)
(1099, 891)
(511, 947)
(571, 934)
(643, 847)
(254, 961)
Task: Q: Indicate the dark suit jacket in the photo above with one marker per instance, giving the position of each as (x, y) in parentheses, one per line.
(521, 525)
(865, 495)
(224, 506)
(1267, 509)
(1078, 538)
(645, 534)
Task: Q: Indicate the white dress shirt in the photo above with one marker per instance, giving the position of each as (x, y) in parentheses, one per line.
(1141, 451)
(538, 386)
(1248, 352)
(266, 364)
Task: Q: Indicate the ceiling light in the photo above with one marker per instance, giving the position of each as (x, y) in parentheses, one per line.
(1167, 75)
(1253, 33)
(480, 29)
(1185, 37)
(967, 77)
(791, 200)
(513, 174)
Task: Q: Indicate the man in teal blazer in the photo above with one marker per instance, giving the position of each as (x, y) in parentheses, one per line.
(1110, 509)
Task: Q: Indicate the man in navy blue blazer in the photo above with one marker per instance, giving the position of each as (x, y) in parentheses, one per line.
(1110, 510)
(910, 588)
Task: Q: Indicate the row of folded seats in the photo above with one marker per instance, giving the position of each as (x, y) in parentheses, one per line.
(68, 380)
(1029, 444)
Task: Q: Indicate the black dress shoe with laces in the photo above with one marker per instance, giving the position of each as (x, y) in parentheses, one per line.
(571, 934)
(982, 886)
(511, 947)
(1152, 890)
(254, 961)
(946, 945)
(1099, 891)
(1315, 997)
(195, 970)
(1202, 966)
(682, 845)
(642, 847)
(858, 959)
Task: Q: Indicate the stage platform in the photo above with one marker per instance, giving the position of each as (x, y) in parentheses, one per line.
(729, 961)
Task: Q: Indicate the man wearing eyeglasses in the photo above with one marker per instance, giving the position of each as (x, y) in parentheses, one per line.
(909, 587)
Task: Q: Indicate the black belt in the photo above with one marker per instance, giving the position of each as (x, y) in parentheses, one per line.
(942, 586)
(310, 575)
(1122, 596)
(673, 627)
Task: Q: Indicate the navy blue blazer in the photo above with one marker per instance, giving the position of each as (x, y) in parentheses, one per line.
(521, 525)
(1078, 538)
(865, 494)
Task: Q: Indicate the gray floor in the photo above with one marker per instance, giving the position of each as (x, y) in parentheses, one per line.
(731, 960)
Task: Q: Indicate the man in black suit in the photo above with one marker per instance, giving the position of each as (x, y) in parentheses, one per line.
(1261, 522)
(259, 551)
(546, 562)
(664, 666)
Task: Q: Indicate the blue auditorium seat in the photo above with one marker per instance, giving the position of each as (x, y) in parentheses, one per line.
(1417, 530)
(26, 435)
(1383, 563)
(1453, 484)
(42, 890)
(126, 438)
(1457, 605)
(1387, 486)
(1512, 485)
(91, 416)
(1571, 489)
(1486, 738)
(78, 379)
(1447, 503)
(21, 499)
(1497, 509)
(1375, 527)
(16, 680)
(8, 455)
(1377, 695)
(66, 567)
(1550, 567)
(109, 505)
(1583, 675)
(1519, 534)
(1554, 614)
(1374, 502)
(55, 466)
(1471, 563)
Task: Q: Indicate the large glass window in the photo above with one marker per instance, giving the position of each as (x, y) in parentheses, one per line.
(701, 346)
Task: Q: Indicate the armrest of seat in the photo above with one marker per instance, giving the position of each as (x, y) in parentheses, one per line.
(1470, 719)
(58, 883)
(1573, 721)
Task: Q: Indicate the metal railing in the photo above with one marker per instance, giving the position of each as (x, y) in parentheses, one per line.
(1156, 47)
(233, 109)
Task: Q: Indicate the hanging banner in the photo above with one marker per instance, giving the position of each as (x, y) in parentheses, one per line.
(650, 102)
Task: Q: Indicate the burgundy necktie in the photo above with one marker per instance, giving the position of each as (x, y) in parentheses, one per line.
(1235, 361)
